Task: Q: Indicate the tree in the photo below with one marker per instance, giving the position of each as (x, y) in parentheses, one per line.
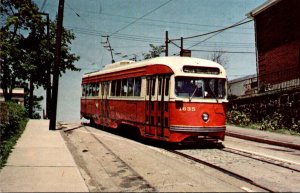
(155, 52)
(218, 56)
(24, 53)
(20, 19)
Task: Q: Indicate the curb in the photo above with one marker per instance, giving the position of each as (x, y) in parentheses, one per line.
(261, 140)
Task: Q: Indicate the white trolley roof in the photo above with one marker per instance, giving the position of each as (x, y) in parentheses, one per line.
(176, 63)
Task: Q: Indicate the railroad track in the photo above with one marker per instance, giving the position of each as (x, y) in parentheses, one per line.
(195, 155)
(222, 169)
(231, 171)
(276, 162)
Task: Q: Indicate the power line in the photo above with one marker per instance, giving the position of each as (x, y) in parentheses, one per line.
(204, 40)
(165, 21)
(212, 32)
(135, 38)
(99, 12)
(153, 39)
(72, 9)
(174, 44)
(77, 14)
(147, 19)
(230, 52)
(219, 31)
(43, 5)
(140, 18)
(154, 23)
(117, 36)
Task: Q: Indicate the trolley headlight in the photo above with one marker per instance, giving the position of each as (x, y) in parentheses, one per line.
(205, 117)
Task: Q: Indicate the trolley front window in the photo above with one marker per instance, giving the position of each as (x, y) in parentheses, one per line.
(194, 87)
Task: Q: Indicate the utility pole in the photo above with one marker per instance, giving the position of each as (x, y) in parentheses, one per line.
(167, 42)
(57, 58)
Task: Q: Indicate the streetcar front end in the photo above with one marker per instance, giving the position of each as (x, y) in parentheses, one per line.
(197, 105)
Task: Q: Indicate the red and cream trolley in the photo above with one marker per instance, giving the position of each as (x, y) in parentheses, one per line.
(173, 99)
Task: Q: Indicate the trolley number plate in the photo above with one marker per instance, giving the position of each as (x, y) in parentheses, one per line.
(187, 109)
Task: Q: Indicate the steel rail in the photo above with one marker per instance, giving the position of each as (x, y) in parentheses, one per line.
(262, 159)
(238, 176)
(261, 140)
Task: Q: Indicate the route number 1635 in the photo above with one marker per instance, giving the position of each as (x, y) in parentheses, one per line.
(187, 109)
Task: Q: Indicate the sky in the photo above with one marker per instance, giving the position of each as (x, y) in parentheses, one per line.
(134, 24)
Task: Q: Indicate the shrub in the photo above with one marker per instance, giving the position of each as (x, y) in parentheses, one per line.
(296, 127)
(273, 122)
(238, 118)
(12, 123)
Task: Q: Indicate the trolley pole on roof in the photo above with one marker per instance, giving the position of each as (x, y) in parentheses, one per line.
(57, 58)
(181, 46)
(110, 49)
(167, 41)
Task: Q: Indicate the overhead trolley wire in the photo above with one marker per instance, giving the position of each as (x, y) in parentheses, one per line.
(230, 52)
(151, 39)
(123, 37)
(165, 21)
(220, 31)
(213, 32)
(43, 5)
(150, 23)
(140, 17)
(205, 40)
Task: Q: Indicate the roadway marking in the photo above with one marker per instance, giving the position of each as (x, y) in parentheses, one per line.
(247, 189)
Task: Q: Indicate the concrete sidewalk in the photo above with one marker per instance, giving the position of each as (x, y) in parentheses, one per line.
(41, 162)
(264, 137)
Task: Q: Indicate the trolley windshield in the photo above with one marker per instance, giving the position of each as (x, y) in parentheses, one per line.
(194, 87)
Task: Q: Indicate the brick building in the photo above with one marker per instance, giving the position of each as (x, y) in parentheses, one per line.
(277, 31)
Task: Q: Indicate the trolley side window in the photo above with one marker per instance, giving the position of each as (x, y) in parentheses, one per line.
(90, 89)
(167, 86)
(118, 89)
(113, 88)
(95, 89)
(126, 87)
(83, 90)
(137, 86)
(130, 86)
(160, 80)
(102, 88)
(153, 86)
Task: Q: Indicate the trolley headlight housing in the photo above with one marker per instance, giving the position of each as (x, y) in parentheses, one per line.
(205, 117)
